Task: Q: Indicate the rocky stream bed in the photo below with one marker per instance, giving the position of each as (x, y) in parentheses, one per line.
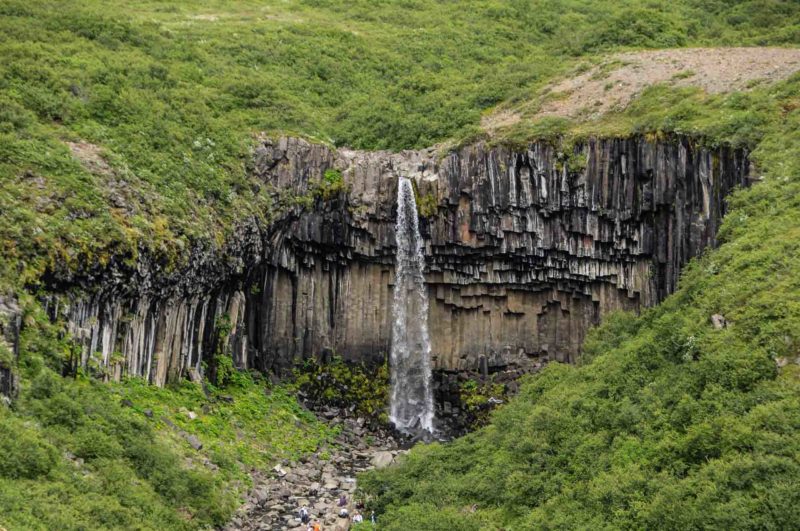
(317, 481)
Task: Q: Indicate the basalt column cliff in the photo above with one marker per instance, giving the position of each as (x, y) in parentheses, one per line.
(526, 249)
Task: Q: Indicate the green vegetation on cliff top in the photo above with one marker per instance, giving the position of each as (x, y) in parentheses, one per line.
(163, 99)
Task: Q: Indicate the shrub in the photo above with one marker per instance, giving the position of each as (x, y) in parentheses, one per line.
(475, 397)
(60, 410)
(92, 442)
(226, 374)
(25, 454)
(332, 176)
(331, 185)
(344, 384)
(427, 205)
(45, 385)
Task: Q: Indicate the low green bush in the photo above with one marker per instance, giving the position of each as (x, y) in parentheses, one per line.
(475, 398)
(90, 443)
(346, 384)
(24, 455)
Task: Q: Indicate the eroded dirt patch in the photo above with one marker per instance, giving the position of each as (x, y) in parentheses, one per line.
(91, 156)
(612, 84)
(121, 195)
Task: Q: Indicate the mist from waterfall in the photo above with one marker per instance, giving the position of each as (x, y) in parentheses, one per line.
(411, 405)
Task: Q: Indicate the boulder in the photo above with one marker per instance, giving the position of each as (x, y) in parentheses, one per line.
(261, 495)
(718, 321)
(194, 442)
(382, 459)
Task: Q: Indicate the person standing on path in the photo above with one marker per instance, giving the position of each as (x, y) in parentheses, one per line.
(305, 517)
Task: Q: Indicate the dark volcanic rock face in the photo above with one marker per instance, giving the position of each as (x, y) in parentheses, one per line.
(526, 249)
(10, 324)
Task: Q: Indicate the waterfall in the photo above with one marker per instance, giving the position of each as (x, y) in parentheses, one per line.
(411, 405)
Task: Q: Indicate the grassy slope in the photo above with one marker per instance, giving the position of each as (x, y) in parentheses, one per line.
(79, 454)
(669, 423)
(173, 92)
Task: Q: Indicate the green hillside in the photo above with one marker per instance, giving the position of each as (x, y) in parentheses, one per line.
(81, 454)
(127, 128)
(173, 92)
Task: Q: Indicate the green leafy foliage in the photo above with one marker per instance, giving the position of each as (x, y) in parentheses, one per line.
(221, 371)
(345, 384)
(168, 97)
(332, 176)
(80, 454)
(331, 185)
(96, 464)
(24, 454)
(248, 422)
(475, 397)
(427, 205)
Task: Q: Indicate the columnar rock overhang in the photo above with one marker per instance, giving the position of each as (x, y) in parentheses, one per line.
(526, 249)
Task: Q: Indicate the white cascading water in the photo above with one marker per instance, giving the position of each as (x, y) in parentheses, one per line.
(411, 406)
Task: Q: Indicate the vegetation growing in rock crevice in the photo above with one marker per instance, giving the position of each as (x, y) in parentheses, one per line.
(359, 387)
(331, 185)
(427, 205)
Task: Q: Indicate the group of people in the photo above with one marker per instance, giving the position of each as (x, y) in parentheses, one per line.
(305, 514)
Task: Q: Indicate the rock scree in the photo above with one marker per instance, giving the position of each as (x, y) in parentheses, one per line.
(317, 481)
(619, 78)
